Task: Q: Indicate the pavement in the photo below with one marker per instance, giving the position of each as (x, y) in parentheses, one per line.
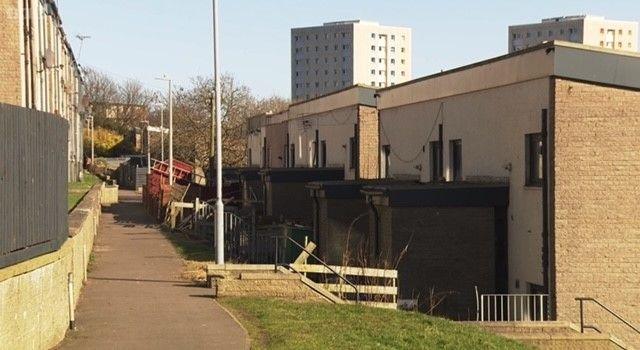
(135, 298)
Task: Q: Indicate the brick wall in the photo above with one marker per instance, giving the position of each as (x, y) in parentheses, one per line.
(290, 201)
(336, 216)
(597, 203)
(450, 250)
(368, 152)
(10, 71)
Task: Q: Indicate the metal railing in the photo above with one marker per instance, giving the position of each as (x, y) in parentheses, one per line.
(341, 277)
(511, 307)
(583, 326)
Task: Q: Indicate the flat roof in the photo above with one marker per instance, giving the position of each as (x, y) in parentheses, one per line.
(554, 58)
(440, 194)
(301, 174)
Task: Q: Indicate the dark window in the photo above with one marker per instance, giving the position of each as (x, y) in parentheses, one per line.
(353, 152)
(316, 159)
(435, 152)
(323, 150)
(264, 153)
(534, 159)
(292, 159)
(455, 148)
(386, 160)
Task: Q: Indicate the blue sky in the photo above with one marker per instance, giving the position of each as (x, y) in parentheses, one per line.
(142, 39)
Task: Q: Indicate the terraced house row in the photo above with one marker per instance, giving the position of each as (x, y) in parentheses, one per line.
(38, 68)
(513, 176)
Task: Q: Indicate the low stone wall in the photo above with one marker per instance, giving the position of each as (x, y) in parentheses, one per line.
(34, 297)
(108, 194)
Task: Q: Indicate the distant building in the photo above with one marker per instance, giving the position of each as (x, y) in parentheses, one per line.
(337, 55)
(584, 29)
(38, 68)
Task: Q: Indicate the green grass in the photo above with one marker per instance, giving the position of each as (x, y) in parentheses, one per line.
(280, 324)
(190, 248)
(77, 190)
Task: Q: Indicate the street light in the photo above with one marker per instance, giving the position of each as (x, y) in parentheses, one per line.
(164, 78)
(219, 205)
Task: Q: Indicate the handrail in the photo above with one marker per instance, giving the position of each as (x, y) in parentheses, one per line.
(581, 300)
(323, 263)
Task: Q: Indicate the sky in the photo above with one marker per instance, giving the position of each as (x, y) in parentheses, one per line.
(144, 39)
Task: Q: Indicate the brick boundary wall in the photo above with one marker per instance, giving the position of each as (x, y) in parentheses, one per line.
(597, 204)
(34, 293)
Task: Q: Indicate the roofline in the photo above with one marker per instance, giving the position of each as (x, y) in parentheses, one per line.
(545, 45)
(333, 93)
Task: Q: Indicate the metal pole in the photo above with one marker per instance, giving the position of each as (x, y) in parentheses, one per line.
(92, 144)
(219, 204)
(162, 134)
(148, 150)
(170, 135)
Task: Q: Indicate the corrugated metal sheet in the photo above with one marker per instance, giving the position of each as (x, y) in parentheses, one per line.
(33, 183)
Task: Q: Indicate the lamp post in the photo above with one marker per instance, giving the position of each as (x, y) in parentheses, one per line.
(92, 142)
(164, 78)
(218, 130)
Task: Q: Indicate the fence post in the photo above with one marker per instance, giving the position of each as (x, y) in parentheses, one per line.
(276, 256)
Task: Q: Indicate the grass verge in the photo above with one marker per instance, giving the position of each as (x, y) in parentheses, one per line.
(281, 324)
(77, 190)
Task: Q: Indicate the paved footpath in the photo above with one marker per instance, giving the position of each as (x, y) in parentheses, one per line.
(134, 297)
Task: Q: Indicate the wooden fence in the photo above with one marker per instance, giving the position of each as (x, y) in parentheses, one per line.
(33, 183)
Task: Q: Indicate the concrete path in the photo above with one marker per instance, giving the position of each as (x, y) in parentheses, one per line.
(135, 298)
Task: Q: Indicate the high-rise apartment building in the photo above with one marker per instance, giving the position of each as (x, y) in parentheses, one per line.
(583, 29)
(339, 54)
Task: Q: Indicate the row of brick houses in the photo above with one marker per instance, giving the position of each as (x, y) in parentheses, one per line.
(38, 68)
(514, 175)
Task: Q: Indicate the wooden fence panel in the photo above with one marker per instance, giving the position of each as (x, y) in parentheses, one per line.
(33, 183)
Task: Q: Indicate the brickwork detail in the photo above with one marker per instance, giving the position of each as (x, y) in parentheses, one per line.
(597, 205)
(368, 152)
(10, 84)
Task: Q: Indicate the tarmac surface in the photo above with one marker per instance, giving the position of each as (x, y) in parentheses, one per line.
(135, 298)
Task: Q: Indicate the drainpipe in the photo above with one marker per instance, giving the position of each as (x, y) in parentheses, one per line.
(546, 213)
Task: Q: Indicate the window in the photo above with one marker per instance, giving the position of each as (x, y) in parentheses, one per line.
(534, 159)
(386, 161)
(402, 49)
(373, 35)
(373, 47)
(373, 83)
(296, 38)
(373, 59)
(316, 36)
(380, 84)
(620, 31)
(292, 156)
(528, 35)
(550, 33)
(393, 49)
(402, 73)
(323, 153)
(373, 71)
(513, 35)
(455, 152)
(326, 47)
(402, 61)
(539, 34)
(435, 159)
(393, 72)
(601, 30)
(571, 30)
(393, 37)
(380, 48)
(629, 32)
(393, 61)
(380, 72)
(353, 153)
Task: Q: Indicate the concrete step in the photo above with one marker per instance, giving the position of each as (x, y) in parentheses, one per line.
(550, 335)
(268, 276)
